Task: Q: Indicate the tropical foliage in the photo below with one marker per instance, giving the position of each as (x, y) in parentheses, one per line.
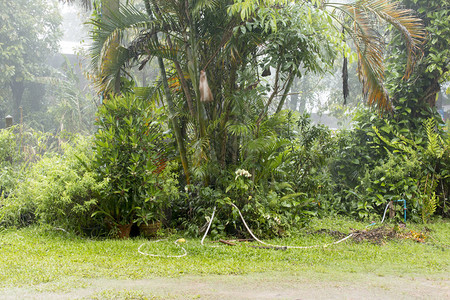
(162, 153)
(415, 99)
(233, 45)
(56, 190)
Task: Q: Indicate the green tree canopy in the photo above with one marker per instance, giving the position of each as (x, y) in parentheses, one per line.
(29, 34)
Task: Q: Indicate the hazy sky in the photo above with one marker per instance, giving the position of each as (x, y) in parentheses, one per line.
(74, 30)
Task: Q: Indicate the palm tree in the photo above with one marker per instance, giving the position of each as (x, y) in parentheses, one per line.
(361, 21)
(193, 35)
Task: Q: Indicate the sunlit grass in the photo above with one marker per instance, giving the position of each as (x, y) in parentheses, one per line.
(38, 255)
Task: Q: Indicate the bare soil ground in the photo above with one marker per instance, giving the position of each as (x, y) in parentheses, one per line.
(255, 286)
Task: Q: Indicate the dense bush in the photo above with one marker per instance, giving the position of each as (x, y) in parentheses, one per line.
(130, 153)
(57, 190)
(280, 180)
(380, 160)
(296, 169)
(9, 159)
(417, 169)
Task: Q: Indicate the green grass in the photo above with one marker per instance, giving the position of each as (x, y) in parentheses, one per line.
(60, 260)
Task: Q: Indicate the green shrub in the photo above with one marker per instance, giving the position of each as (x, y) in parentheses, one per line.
(9, 159)
(417, 170)
(129, 148)
(57, 190)
(281, 181)
(385, 161)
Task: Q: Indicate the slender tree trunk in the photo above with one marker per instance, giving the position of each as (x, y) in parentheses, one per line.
(227, 107)
(17, 88)
(303, 97)
(174, 119)
(170, 104)
(108, 9)
(286, 90)
(194, 73)
(294, 97)
(183, 82)
(180, 73)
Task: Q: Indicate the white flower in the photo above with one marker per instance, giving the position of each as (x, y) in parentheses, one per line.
(186, 188)
(242, 172)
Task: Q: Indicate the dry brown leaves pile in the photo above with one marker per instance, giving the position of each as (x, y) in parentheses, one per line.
(382, 234)
(379, 235)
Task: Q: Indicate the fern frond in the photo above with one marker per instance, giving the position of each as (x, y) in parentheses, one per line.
(435, 142)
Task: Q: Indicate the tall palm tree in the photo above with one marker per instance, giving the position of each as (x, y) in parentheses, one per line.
(192, 35)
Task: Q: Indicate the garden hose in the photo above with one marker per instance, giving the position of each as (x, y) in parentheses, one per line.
(252, 235)
(387, 205)
(177, 242)
(181, 240)
(209, 225)
(249, 231)
(286, 247)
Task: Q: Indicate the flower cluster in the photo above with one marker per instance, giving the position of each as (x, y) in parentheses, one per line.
(242, 172)
(267, 216)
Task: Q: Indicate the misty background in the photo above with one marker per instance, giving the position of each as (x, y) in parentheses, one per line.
(56, 94)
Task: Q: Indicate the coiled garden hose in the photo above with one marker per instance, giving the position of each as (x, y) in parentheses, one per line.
(167, 256)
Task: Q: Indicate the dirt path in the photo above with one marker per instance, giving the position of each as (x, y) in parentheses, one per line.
(255, 286)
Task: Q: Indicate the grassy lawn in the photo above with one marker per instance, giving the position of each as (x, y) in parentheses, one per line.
(42, 255)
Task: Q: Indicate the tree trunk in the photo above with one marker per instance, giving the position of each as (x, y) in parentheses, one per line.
(286, 90)
(17, 88)
(294, 97)
(170, 104)
(108, 9)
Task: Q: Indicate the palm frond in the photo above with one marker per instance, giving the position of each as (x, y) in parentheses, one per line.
(239, 129)
(410, 27)
(370, 46)
(111, 36)
(265, 144)
(199, 150)
(200, 5)
(120, 28)
(153, 93)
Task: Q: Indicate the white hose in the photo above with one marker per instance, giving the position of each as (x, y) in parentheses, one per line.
(385, 210)
(167, 256)
(209, 225)
(286, 247)
(249, 231)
